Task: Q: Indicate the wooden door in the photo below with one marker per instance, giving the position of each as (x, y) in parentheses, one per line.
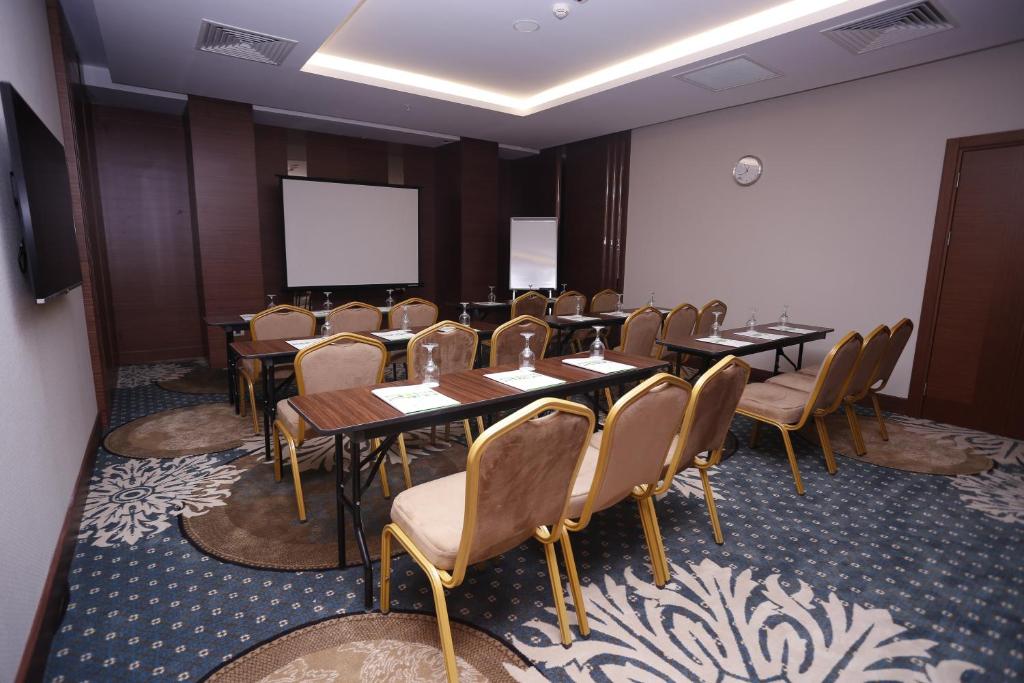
(976, 362)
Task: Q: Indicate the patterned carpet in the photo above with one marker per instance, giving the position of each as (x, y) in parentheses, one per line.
(875, 574)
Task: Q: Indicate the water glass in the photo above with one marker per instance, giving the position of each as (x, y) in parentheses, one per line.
(327, 301)
(270, 300)
(784, 318)
(597, 347)
(490, 295)
(464, 316)
(564, 285)
(618, 304)
(405, 318)
(752, 320)
(716, 327)
(527, 358)
(579, 305)
(326, 330)
(390, 301)
(431, 373)
(652, 300)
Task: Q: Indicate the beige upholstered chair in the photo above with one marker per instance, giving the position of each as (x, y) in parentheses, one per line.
(864, 375)
(530, 303)
(422, 313)
(565, 304)
(507, 340)
(706, 317)
(638, 334)
(679, 323)
(341, 361)
(519, 475)
(898, 339)
(789, 409)
(604, 301)
(279, 322)
(355, 316)
(455, 352)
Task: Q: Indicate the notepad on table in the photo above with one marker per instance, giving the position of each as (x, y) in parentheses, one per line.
(760, 335)
(787, 328)
(394, 335)
(722, 341)
(321, 314)
(414, 398)
(577, 318)
(488, 303)
(524, 380)
(605, 367)
(302, 343)
(247, 316)
(617, 314)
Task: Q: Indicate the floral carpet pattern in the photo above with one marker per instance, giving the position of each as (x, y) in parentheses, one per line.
(874, 574)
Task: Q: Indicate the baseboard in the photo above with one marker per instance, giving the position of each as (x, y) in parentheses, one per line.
(54, 598)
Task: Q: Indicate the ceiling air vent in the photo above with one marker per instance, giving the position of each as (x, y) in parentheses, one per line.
(729, 73)
(891, 27)
(242, 43)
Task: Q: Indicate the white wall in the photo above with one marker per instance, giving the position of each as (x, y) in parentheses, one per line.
(48, 403)
(839, 226)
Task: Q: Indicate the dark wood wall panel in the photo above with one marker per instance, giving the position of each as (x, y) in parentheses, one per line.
(271, 162)
(143, 172)
(418, 169)
(225, 209)
(528, 187)
(478, 195)
(344, 158)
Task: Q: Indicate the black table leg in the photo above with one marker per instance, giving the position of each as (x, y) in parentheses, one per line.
(233, 398)
(339, 494)
(678, 367)
(355, 452)
(800, 357)
(778, 355)
(269, 404)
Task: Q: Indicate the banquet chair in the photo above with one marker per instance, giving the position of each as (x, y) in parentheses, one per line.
(455, 352)
(530, 303)
(898, 339)
(679, 323)
(355, 316)
(638, 334)
(506, 343)
(421, 313)
(341, 361)
(790, 409)
(604, 301)
(279, 322)
(706, 316)
(519, 475)
(565, 304)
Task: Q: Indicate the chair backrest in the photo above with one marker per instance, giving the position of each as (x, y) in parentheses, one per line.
(898, 339)
(530, 303)
(565, 304)
(455, 352)
(421, 313)
(834, 375)
(679, 323)
(355, 316)
(604, 301)
(519, 476)
(640, 330)
(706, 317)
(708, 415)
(341, 361)
(866, 372)
(283, 322)
(637, 435)
(507, 340)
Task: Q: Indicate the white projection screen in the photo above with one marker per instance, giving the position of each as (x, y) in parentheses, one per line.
(339, 234)
(533, 253)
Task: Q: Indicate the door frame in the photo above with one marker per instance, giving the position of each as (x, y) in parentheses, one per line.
(955, 149)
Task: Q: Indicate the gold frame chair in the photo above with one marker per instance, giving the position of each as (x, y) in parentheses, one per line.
(572, 294)
(624, 337)
(395, 324)
(881, 380)
(356, 305)
(809, 411)
(526, 297)
(596, 306)
(410, 362)
(547, 535)
(667, 323)
(699, 329)
(504, 327)
(247, 381)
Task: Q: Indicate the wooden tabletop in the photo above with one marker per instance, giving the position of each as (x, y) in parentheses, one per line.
(692, 346)
(359, 410)
(237, 321)
(280, 348)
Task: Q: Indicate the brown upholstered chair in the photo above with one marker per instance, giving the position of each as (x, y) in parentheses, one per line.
(706, 317)
(530, 303)
(422, 313)
(341, 361)
(279, 322)
(789, 409)
(507, 340)
(565, 304)
(604, 301)
(898, 339)
(638, 334)
(679, 323)
(519, 475)
(355, 316)
(864, 375)
(455, 352)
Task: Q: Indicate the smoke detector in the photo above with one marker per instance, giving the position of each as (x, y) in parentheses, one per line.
(560, 10)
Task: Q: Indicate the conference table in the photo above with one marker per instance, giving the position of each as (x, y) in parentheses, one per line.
(273, 352)
(360, 416)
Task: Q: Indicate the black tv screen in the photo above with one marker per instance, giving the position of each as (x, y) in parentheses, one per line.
(42, 196)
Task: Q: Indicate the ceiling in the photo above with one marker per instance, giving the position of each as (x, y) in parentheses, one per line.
(430, 72)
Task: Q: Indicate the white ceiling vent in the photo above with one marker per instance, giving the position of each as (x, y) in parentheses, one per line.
(242, 43)
(730, 73)
(891, 27)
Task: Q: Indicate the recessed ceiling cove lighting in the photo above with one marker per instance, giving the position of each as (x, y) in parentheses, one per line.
(526, 25)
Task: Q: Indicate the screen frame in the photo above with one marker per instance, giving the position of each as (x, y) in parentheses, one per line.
(558, 247)
(317, 179)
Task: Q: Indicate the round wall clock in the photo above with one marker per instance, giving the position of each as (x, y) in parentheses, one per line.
(747, 170)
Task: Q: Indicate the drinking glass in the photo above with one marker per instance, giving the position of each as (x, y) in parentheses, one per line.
(464, 316)
(784, 318)
(716, 327)
(752, 320)
(531, 288)
(490, 295)
(618, 304)
(390, 301)
(405, 318)
(270, 300)
(579, 305)
(527, 358)
(431, 373)
(327, 301)
(326, 329)
(652, 300)
(597, 347)
(564, 285)
(551, 293)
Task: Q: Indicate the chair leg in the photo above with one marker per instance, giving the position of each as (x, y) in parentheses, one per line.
(826, 444)
(385, 569)
(275, 438)
(252, 402)
(792, 462)
(659, 546)
(404, 456)
(858, 438)
(608, 397)
(556, 590)
(469, 432)
(480, 424)
(296, 478)
(709, 499)
(755, 433)
(881, 420)
(574, 584)
(652, 548)
(382, 472)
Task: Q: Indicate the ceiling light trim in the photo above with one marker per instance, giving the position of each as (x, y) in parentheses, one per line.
(776, 20)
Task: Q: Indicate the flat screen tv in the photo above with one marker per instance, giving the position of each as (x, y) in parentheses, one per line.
(48, 253)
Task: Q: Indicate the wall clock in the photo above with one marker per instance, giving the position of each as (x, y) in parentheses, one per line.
(747, 170)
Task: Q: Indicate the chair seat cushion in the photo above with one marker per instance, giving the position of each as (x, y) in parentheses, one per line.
(290, 419)
(431, 514)
(794, 380)
(281, 371)
(777, 403)
(811, 370)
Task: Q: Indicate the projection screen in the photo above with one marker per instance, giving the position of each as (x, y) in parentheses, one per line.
(533, 253)
(339, 234)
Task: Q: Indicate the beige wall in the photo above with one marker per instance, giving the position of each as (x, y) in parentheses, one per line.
(839, 225)
(48, 402)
